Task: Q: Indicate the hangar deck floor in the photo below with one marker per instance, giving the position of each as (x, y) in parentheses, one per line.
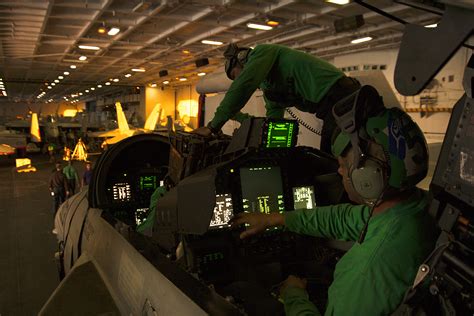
(28, 273)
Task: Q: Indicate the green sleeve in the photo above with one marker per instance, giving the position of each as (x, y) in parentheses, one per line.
(296, 302)
(342, 221)
(240, 117)
(256, 69)
(273, 110)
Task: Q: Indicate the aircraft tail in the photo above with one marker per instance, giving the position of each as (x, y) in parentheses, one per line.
(34, 129)
(121, 119)
(153, 118)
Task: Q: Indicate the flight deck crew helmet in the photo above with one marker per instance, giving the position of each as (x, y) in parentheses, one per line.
(234, 56)
(399, 140)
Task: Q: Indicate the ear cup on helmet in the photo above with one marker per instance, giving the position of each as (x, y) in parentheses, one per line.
(242, 55)
(369, 180)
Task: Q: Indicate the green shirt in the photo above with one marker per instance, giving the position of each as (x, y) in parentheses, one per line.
(70, 173)
(372, 277)
(297, 78)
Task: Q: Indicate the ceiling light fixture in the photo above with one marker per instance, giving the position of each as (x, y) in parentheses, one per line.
(92, 88)
(182, 79)
(431, 26)
(102, 30)
(153, 85)
(116, 80)
(107, 83)
(88, 47)
(259, 26)
(83, 58)
(49, 87)
(166, 82)
(139, 69)
(185, 51)
(128, 75)
(113, 31)
(361, 40)
(60, 77)
(99, 86)
(201, 74)
(339, 2)
(209, 42)
(66, 73)
(57, 81)
(73, 66)
(80, 93)
(53, 84)
(87, 91)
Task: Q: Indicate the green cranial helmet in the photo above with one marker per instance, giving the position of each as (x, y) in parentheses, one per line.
(403, 143)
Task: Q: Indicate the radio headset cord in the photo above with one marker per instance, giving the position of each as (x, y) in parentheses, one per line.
(303, 123)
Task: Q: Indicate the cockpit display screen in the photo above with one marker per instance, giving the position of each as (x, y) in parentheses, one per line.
(223, 211)
(262, 189)
(148, 182)
(280, 134)
(303, 197)
(122, 191)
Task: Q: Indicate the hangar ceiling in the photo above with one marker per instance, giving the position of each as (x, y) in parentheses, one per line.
(40, 40)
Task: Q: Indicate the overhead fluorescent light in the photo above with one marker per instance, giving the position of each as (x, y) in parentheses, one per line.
(166, 82)
(339, 2)
(201, 74)
(107, 83)
(73, 66)
(208, 42)
(116, 80)
(153, 85)
(80, 93)
(138, 69)
(49, 87)
(101, 30)
(87, 91)
(99, 86)
(182, 79)
(66, 73)
(88, 47)
(113, 31)
(92, 88)
(128, 75)
(83, 58)
(259, 26)
(57, 81)
(432, 26)
(273, 23)
(53, 84)
(361, 40)
(60, 77)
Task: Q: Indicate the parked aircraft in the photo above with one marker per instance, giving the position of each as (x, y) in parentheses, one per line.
(123, 131)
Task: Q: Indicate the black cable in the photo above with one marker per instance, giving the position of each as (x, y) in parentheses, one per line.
(371, 212)
(303, 123)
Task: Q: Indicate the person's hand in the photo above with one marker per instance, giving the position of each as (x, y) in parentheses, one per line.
(257, 222)
(203, 131)
(293, 282)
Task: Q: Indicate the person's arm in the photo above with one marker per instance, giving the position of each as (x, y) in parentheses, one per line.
(342, 221)
(240, 117)
(255, 71)
(273, 109)
(296, 302)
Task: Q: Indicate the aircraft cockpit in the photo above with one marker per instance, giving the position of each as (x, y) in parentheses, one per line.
(127, 177)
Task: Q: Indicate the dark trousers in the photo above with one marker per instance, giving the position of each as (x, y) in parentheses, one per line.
(71, 184)
(341, 89)
(58, 198)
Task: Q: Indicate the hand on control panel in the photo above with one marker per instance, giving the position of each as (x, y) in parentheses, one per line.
(257, 222)
(293, 282)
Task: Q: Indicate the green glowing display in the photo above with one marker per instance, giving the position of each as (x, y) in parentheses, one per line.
(280, 134)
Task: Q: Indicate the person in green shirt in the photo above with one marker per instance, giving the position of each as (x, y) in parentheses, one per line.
(71, 177)
(287, 78)
(389, 222)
